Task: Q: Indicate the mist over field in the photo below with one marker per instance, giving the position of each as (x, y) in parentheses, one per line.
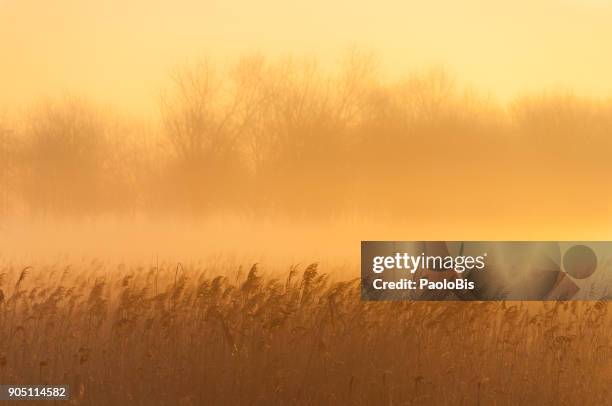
(282, 157)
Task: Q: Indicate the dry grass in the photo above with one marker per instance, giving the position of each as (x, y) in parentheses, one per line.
(173, 335)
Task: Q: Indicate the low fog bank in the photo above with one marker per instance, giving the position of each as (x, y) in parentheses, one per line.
(219, 239)
(276, 242)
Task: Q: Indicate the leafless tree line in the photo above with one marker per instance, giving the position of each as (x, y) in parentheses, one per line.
(290, 136)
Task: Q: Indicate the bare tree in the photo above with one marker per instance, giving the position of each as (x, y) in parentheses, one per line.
(204, 121)
(65, 153)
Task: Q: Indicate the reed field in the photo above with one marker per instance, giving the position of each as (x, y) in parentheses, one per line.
(271, 157)
(174, 334)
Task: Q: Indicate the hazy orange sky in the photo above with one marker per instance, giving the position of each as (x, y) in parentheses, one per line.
(120, 52)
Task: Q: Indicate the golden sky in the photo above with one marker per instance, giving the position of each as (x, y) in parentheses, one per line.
(120, 52)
